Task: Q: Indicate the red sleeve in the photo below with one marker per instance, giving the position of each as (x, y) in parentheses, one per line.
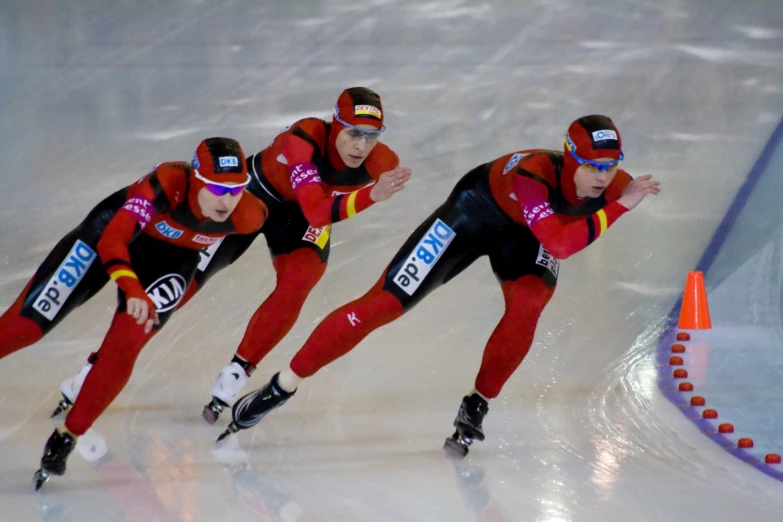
(561, 235)
(113, 248)
(135, 214)
(319, 209)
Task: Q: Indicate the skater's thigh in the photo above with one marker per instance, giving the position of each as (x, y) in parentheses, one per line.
(437, 251)
(518, 253)
(164, 271)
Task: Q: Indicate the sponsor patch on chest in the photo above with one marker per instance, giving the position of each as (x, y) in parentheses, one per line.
(205, 240)
(167, 291)
(168, 231)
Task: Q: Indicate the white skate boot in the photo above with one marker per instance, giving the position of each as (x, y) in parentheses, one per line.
(70, 390)
(225, 391)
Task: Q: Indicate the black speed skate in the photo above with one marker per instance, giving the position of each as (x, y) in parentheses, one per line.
(250, 409)
(468, 425)
(56, 452)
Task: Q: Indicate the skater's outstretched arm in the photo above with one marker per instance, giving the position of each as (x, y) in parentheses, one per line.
(319, 208)
(564, 235)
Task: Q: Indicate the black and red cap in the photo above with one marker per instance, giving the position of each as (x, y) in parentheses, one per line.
(359, 106)
(220, 161)
(593, 137)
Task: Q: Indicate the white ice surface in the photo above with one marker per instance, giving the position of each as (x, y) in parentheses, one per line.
(93, 93)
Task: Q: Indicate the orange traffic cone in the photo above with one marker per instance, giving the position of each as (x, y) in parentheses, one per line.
(695, 312)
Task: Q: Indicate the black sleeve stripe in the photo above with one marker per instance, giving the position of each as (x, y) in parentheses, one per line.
(336, 209)
(114, 262)
(590, 229)
(531, 175)
(161, 201)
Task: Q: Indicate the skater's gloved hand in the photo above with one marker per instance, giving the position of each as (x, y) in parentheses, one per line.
(635, 192)
(143, 310)
(389, 183)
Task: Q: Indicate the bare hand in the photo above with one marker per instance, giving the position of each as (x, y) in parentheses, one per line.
(635, 192)
(145, 314)
(389, 183)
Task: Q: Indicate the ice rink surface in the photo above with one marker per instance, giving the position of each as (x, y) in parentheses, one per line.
(95, 93)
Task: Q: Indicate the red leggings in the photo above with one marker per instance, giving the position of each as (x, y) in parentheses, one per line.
(110, 373)
(17, 332)
(508, 345)
(297, 274)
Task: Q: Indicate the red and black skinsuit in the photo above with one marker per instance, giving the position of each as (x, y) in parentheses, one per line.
(146, 237)
(307, 187)
(522, 211)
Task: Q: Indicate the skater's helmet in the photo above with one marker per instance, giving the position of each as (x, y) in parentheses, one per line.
(589, 138)
(357, 106)
(220, 161)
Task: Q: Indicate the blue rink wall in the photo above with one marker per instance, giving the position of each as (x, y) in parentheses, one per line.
(737, 366)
